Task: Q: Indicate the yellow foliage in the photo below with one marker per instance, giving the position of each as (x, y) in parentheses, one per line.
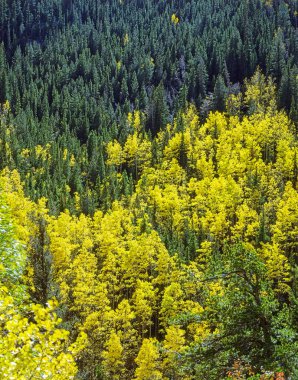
(43, 152)
(247, 225)
(126, 39)
(25, 153)
(277, 265)
(137, 151)
(174, 339)
(35, 349)
(148, 361)
(113, 362)
(115, 153)
(135, 119)
(144, 300)
(260, 94)
(286, 227)
(171, 304)
(174, 19)
(173, 347)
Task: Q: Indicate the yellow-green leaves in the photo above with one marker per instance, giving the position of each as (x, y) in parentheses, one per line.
(115, 153)
(260, 94)
(35, 348)
(136, 152)
(286, 228)
(174, 19)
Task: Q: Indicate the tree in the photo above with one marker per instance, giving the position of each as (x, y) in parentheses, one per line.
(158, 113)
(148, 361)
(220, 94)
(113, 362)
(245, 299)
(32, 344)
(38, 348)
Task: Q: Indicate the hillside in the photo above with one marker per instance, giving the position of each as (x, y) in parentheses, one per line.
(148, 190)
(73, 70)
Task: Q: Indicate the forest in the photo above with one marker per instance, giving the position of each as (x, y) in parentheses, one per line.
(148, 190)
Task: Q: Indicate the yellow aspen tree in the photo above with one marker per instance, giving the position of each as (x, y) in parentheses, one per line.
(125, 39)
(171, 303)
(97, 326)
(277, 265)
(135, 119)
(174, 19)
(115, 153)
(137, 152)
(84, 285)
(144, 300)
(140, 260)
(148, 361)
(260, 94)
(113, 230)
(68, 236)
(173, 346)
(113, 363)
(285, 230)
(112, 269)
(124, 323)
(247, 225)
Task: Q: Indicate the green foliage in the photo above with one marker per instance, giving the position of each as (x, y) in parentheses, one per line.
(72, 71)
